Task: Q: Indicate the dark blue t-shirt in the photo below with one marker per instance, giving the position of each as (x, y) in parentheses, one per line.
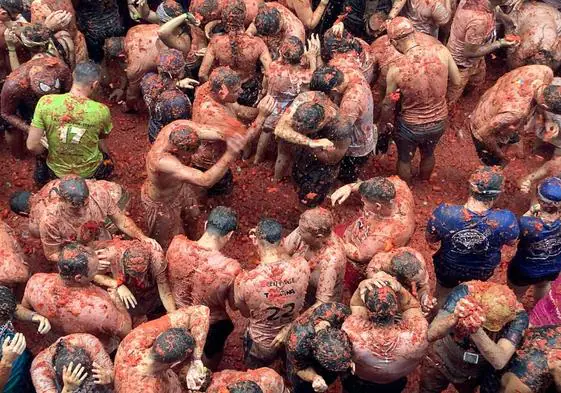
(539, 249)
(471, 242)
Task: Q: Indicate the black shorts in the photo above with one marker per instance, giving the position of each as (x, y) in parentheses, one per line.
(43, 174)
(409, 137)
(217, 335)
(518, 278)
(224, 186)
(313, 179)
(250, 94)
(353, 384)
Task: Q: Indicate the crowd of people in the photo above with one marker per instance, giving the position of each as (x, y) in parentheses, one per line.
(321, 87)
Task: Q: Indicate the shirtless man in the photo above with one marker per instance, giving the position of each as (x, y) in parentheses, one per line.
(538, 25)
(146, 356)
(80, 216)
(200, 274)
(261, 380)
(387, 220)
(73, 304)
(480, 325)
(35, 205)
(309, 17)
(426, 16)
(49, 367)
(271, 295)
(239, 51)
(325, 253)
(13, 267)
(472, 37)
(538, 258)
(23, 88)
(318, 352)
(408, 267)
(168, 193)
(385, 351)
(472, 235)
(275, 23)
(507, 106)
(211, 11)
(420, 80)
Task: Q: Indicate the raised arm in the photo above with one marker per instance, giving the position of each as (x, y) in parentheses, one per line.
(168, 34)
(9, 101)
(196, 320)
(208, 61)
(310, 18)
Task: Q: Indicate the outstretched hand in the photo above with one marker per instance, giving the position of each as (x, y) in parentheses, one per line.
(341, 194)
(12, 348)
(266, 106)
(187, 83)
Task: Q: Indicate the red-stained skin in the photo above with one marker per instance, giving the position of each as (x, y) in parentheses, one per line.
(13, 268)
(291, 26)
(267, 379)
(195, 7)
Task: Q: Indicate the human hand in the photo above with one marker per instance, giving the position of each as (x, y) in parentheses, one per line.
(322, 143)
(105, 256)
(126, 296)
(341, 194)
(266, 106)
(12, 348)
(235, 144)
(114, 296)
(464, 308)
(338, 29)
(504, 43)
(281, 337)
(427, 303)
(201, 52)
(191, 19)
(101, 376)
(11, 38)
(44, 324)
(196, 375)
(526, 185)
(187, 83)
(319, 384)
(72, 377)
(381, 279)
(58, 20)
(514, 5)
(313, 46)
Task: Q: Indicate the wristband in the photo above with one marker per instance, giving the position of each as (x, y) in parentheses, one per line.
(120, 282)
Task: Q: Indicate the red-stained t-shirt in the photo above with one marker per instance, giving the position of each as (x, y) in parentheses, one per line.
(267, 379)
(43, 372)
(274, 293)
(200, 276)
(77, 309)
(427, 15)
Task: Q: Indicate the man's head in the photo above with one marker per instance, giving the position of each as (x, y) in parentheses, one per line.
(233, 16)
(172, 346)
(169, 9)
(8, 304)
(400, 32)
(268, 233)
(327, 79)
(308, 117)
(66, 354)
(382, 304)
(551, 98)
(152, 86)
(74, 193)
(87, 75)
(244, 387)
(549, 194)
(222, 222)
(44, 77)
(335, 43)
(486, 184)
(405, 266)
(114, 47)
(315, 226)
(498, 302)
(292, 50)
(268, 21)
(185, 140)
(36, 37)
(12, 7)
(225, 84)
(332, 350)
(171, 64)
(172, 105)
(377, 193)
(77, 263)
(136, 263)
(19, 202)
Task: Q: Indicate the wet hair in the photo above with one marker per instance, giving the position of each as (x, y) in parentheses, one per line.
(73, 260)
(332, 350)
(185, 139)
(19, 202)
(172, 105)
(405, 265)
(308, 117)
(292, 50)
(37, 32)
(377, 189)
(86, 72)
(317, 220)
(269, 230)
(8, 304)
(171, 61)
(114, 46)
(135, 261)
(64, 355)
(172, 8)
(233, 17)
(12, 5)
(486, 183)
(223, 76)
(552, 98)
(222, 220)
(326, 79)
(267, 21)
(173, 345)
(206, 8)
(382, 304)
(73, 189)
(341, 128)
(244, 387)
(338, 44)
(151, 86)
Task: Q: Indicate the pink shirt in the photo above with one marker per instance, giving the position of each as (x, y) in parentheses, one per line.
(200, 276)
(274, 293)
(267, 379)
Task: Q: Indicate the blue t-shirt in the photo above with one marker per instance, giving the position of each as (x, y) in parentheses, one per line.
(471, 242)
(539, 250)
(19, 380)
